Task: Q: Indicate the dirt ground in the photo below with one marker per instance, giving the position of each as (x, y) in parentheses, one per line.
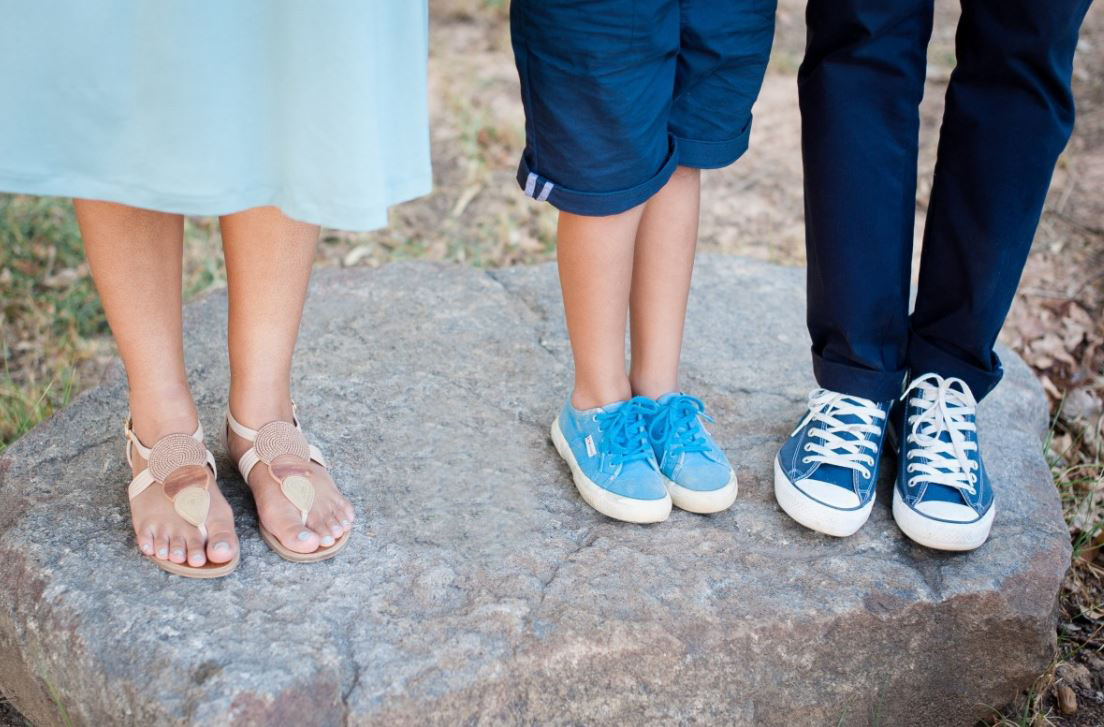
(478, 216)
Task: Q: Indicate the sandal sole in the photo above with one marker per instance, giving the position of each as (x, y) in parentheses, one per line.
(211, 570)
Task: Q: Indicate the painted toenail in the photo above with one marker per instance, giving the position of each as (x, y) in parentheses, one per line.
(222, 547)
(147, 548)
(178, 553)
(304, 535)
(162, 552)
(346, 523)
(327, 540)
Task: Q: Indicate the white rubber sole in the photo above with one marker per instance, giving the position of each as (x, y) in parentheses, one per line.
(814, 515)
(940, 535)
(609, 503)
(703, 502)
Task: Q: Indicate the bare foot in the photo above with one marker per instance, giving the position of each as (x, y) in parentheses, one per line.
(330, 517)
(160, 531)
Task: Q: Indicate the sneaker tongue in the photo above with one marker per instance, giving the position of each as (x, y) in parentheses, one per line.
(638, 467)
(929, 427)
(848, 420)
(611, 408)
(947, 463)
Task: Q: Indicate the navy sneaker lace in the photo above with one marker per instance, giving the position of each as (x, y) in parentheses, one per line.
(626, 430)
(678, 427)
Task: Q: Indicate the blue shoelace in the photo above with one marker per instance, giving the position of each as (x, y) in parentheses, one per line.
(626, 430)
(678, 429)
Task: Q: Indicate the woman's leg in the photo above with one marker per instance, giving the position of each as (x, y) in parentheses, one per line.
(595, 256)
(661, 272)
(268, 266)
(135, 258)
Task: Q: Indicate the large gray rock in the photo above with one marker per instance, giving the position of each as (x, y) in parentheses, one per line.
(478, 588)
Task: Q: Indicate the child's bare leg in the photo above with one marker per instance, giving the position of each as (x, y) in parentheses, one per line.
(595, 256)
(268, 266)
(135, 258)
(665, 245)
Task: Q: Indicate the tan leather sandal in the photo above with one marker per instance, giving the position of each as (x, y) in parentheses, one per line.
(185, 470)
(284, 449)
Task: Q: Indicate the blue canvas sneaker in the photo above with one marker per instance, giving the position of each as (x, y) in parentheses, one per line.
(943, 498)
(612, 461)
(699, 476)
(826, 473)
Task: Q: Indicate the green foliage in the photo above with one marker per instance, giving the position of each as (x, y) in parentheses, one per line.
(49, 310)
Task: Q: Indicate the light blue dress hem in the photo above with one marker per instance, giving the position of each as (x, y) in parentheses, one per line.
(341, 216)
(210, 107)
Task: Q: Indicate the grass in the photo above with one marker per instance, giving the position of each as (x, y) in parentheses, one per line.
(1078, 470)
(50, 311)
(22, 408)
(55, 697)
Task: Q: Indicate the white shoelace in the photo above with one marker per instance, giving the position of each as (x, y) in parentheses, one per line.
(944, 405)
(855, 452)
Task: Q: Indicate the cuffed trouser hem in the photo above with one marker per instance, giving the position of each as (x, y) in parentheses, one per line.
(858, 381)
(594, 204)
(925, 357)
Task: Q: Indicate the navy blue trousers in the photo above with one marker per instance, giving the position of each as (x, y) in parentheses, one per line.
(1009, 113)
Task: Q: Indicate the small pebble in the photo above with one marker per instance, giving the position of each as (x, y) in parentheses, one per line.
(1067, 699)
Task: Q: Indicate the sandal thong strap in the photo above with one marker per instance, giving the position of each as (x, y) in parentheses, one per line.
(163, 459)
(280, 445)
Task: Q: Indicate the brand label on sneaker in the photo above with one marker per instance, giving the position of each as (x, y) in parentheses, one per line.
(591, 449)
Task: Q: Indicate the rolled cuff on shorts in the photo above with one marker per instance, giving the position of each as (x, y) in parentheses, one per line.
(712, 154)
(594, 204)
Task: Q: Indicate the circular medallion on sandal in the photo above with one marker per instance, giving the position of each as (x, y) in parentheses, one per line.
(282, 450)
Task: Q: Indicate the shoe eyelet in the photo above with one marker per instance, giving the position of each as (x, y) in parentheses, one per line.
(808, 447)
(806, 460)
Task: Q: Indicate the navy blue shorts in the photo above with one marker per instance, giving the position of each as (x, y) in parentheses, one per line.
(617, 93)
